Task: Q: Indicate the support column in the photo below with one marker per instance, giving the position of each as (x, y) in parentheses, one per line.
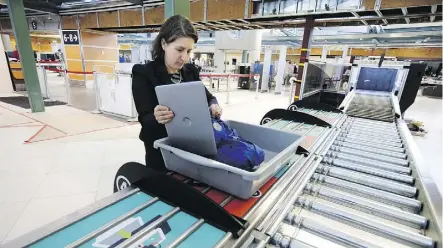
(23, 40)
(5, 82)
(279, 78)
(266, 69)
(6, 42)
(244, 56)
(324, 53)
(177, 7)
(219, 61)
(304, 55)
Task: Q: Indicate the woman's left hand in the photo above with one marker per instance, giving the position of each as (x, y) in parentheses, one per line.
(216, 111)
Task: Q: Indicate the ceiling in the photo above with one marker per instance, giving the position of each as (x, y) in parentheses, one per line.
(400, 35)
(338, 22)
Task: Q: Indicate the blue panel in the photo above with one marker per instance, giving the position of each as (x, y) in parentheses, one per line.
(282, 171)
(205, 236)
(81, 228)
(132, 225)
(376, 79)
(179, 223)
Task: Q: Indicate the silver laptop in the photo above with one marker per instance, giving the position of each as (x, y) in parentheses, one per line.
(191, 128)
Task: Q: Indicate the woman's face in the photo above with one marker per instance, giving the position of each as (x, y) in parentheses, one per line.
(177, 52)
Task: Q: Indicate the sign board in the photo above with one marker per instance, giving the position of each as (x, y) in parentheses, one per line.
(34, 24)
(70, 37)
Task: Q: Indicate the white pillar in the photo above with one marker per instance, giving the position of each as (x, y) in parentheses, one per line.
(6, 39)
(279, 78)
(324, 53)
(245, 40)
(219, 61)
(266, 69)
(5, 82)
(345, 54)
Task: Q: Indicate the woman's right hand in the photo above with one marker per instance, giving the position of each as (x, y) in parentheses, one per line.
(162, 114)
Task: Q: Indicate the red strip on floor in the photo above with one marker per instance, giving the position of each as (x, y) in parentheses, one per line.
(37, 133)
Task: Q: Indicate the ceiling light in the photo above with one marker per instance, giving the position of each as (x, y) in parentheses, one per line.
(361, 38)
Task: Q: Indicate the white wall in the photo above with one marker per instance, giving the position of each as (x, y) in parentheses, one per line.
(5, 79)
(233, 55)
(248, 40)
(204, 49)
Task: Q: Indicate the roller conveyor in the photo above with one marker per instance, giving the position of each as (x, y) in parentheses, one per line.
(372, 106)
(350, 191)
(343, 188)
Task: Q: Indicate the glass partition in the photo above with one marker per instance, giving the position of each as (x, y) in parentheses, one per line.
(324, 76)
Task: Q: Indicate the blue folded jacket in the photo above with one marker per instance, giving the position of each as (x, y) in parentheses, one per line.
(234, 150)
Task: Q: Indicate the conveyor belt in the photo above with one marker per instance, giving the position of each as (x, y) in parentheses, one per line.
(362, 194)
(372, 106)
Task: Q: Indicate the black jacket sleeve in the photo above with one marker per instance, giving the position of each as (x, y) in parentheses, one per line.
(145, 99)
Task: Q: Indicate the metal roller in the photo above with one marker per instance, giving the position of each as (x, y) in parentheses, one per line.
(369, 162)
(373, 171)
(362, 147)
(368, 133)
(372, 207)
(364, 128)
(371, 155)
(402, 202)
(372, 140)
(370, 144)
(357, 120)
(366, 223)
(281, 240)
(332, 234)
(373, 135)
(383, 116)
(365, 112)
(298, 244)
(371, 181)
(370, 128)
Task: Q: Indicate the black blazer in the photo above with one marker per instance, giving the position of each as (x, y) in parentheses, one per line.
(144, 80)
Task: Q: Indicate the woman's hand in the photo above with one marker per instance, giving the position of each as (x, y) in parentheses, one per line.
(216, 111)
(162, 114)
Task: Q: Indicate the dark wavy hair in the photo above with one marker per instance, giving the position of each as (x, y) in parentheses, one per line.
(175, 27)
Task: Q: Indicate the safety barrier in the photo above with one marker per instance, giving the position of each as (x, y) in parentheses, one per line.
(113, 90)
(218, 76)
(113, 93)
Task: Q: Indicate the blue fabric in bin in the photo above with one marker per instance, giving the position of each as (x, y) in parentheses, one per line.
(234, 150)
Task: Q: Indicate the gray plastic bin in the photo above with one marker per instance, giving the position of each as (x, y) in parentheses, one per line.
(279, 146)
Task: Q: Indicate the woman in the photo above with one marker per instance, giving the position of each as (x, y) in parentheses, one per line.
(171, 49)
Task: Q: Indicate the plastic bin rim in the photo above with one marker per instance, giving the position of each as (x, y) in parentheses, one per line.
(215, 164)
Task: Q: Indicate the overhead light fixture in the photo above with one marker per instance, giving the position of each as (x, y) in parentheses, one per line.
(361, 38)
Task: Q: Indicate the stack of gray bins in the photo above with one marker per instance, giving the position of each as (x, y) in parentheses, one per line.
(377, 107)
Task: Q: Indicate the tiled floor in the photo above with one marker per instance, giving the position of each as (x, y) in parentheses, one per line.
(45, 180)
